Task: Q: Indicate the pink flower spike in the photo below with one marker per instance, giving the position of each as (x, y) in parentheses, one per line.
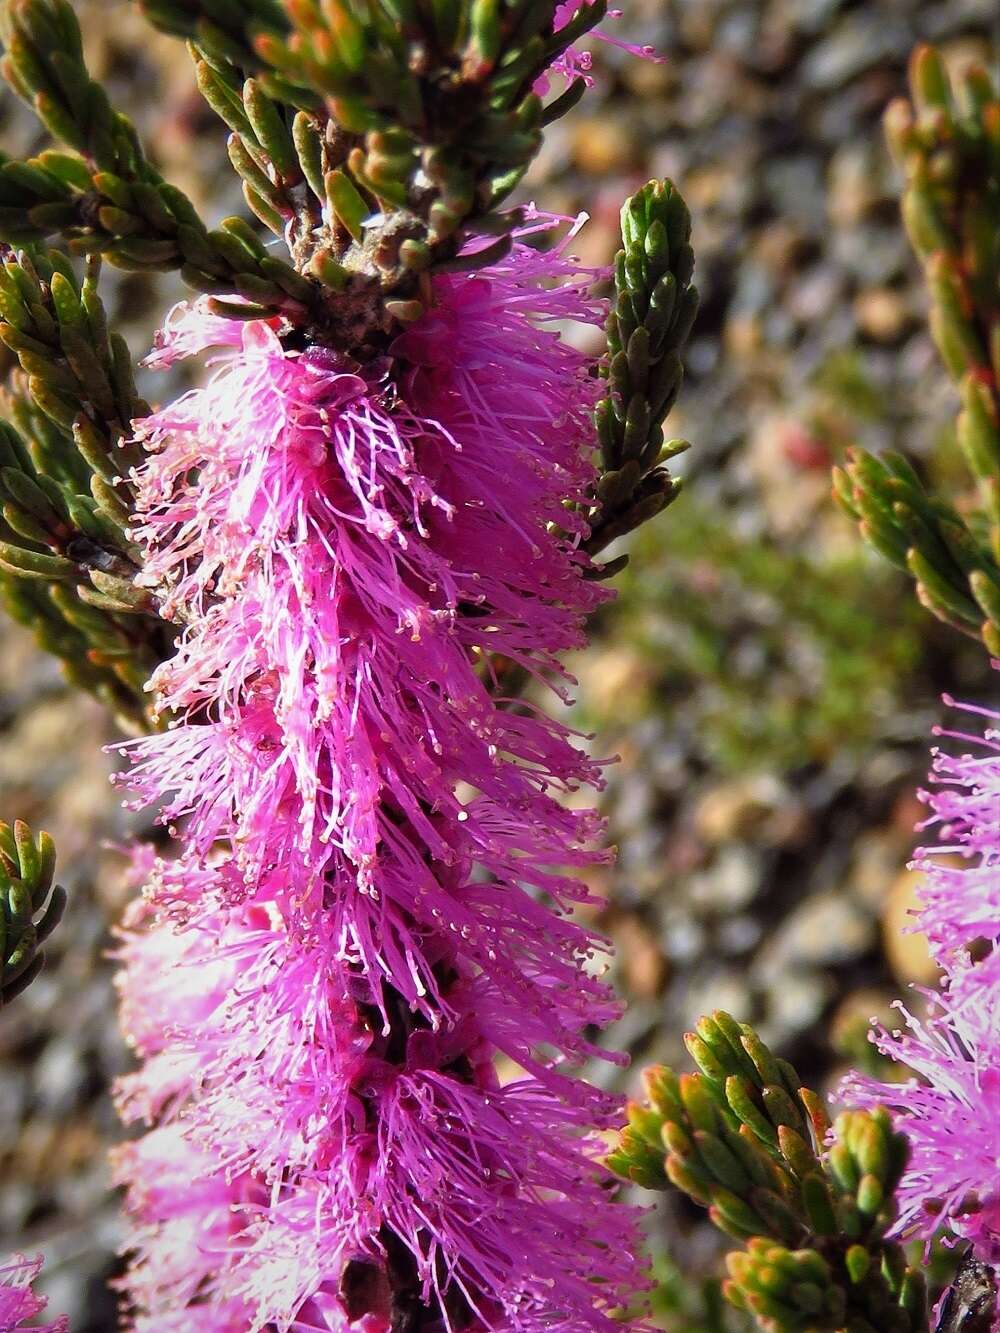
(961, 902)
(18, 1303)
(377, 858)
(948, 1108)
(947, 1111)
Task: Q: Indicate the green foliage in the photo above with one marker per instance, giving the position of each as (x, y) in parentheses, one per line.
(782, 656)
(811, 1207)
(654, 308)
(219, 26)
(948, 146)
(67, 565)
(443, 92)
(104, 196)
(376, 140)
(30, 907)
(378, 136)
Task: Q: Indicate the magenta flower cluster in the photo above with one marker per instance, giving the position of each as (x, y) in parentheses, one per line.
(948, 1107)
(377, 850)
(18, 1303)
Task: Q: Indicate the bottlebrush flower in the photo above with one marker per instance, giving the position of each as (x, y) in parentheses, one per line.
(18, 1303)
(961, 903)
(948, 1108)
(376, 867)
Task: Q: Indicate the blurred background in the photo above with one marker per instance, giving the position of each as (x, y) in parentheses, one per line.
(767, 686)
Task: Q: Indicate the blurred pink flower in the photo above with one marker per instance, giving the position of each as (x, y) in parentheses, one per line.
(18, 1303)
